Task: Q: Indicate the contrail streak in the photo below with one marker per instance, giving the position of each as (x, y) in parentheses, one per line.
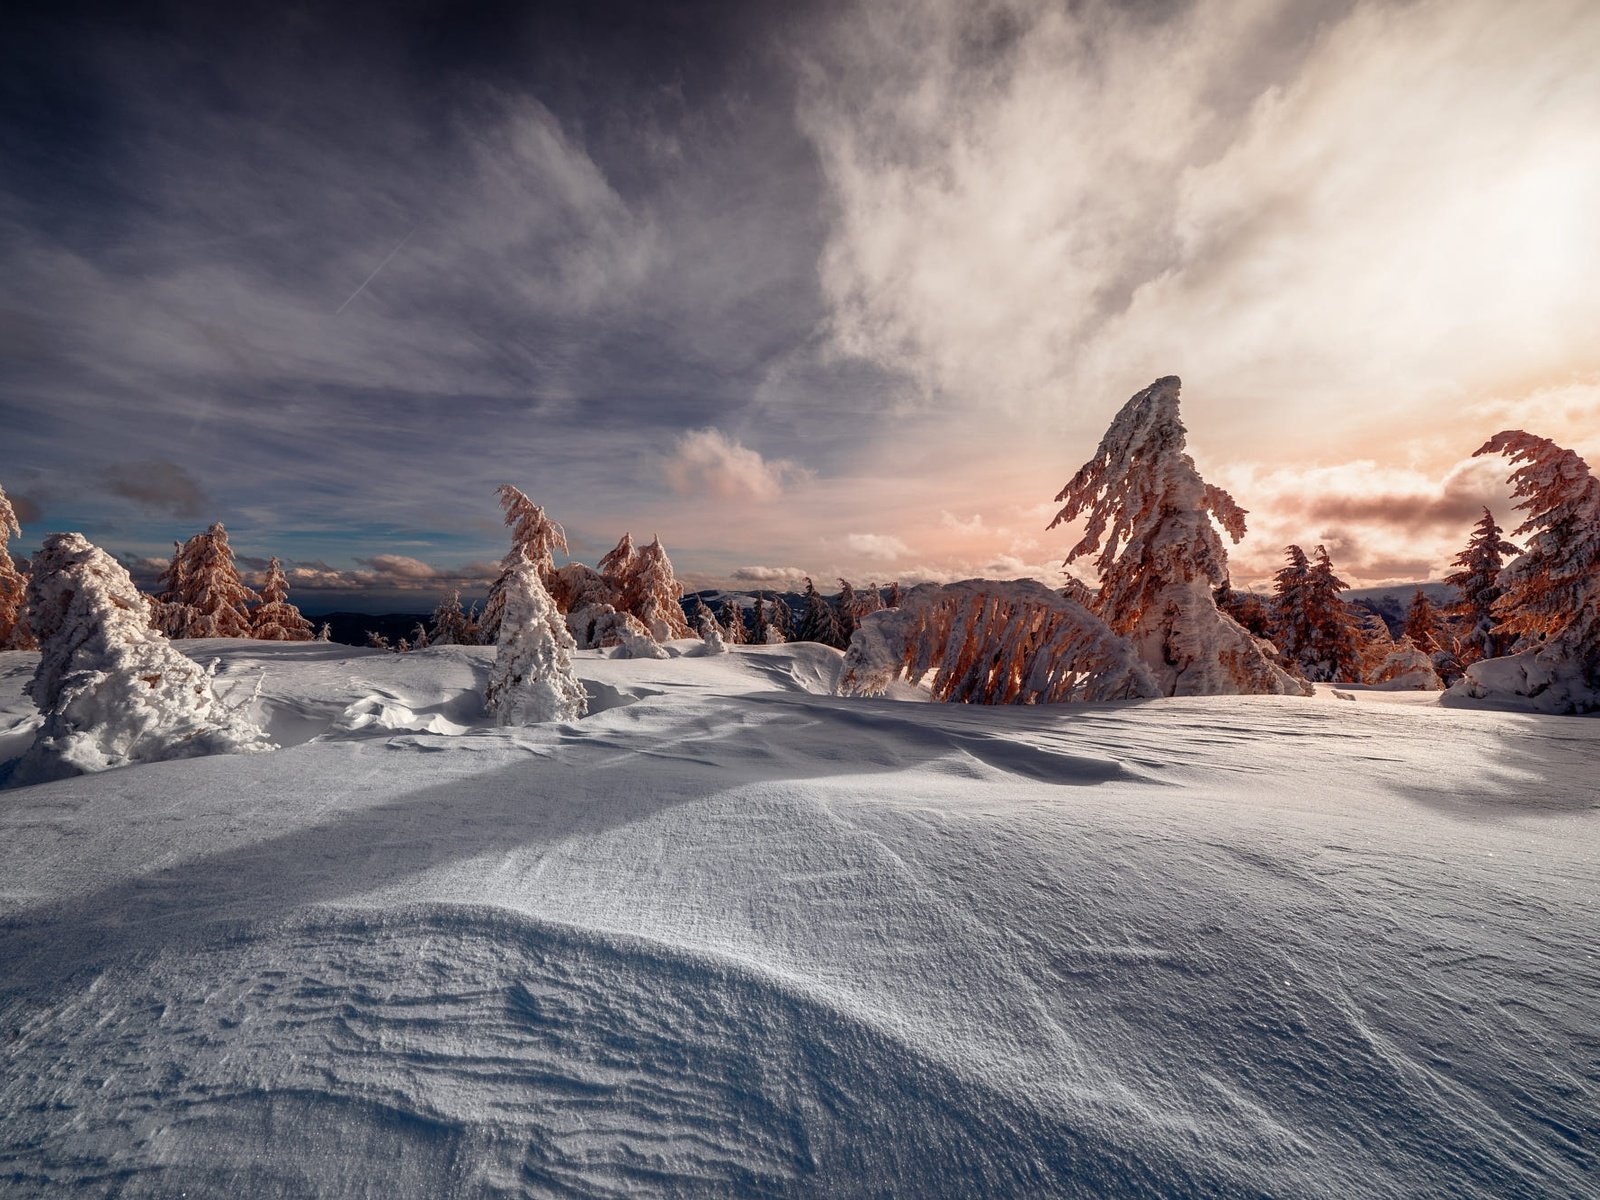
(375, 271)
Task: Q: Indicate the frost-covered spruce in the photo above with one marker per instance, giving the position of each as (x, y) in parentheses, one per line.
(14, 633)
(534, 536)
(710, 631)
(988, 642)
(211, 599)
(652, 594)
(1477, 584)
(733, 631)
(113, 691)
(819, 622)
(532, 680)
(275, 619)
(1551, 599)
(449, 623)
(1159, 557)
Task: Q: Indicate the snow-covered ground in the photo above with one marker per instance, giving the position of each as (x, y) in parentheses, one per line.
(730, 935)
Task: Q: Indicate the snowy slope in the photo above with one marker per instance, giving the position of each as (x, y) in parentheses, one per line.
(730, 935)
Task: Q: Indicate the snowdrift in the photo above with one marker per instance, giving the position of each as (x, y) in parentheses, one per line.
(731, 935)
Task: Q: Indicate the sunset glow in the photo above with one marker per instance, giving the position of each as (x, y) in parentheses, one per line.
(847, 291)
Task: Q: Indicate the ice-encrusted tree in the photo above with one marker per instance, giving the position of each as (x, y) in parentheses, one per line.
(994, 643)
(618, 564)
(1424, 624)
(533, 536)
(449, 623)
(818, 621)
(733, 631)
(275, 619)
(710, 630)
(652, 594)
(325, 633)
(846, 609)
(1551, 597)
(1335, 649)
(14, 634)
(532, 680)
(759, 625)
(112, 690)
(892, 600)
(216, 599)
(780, 622)
(1150, 518)
(1291, 612)
(1476, 580)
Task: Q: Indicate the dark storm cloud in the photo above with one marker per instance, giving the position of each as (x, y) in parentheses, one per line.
(376, 259)
(156, 487)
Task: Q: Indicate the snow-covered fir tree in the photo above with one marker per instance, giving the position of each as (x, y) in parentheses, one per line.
(1149, 517)
(419, 637)
(818, 621)
(376, 641)
(449, 623)
(532, 680)
(112, 690)
(705, 621)
(1476, 580)
(868, 601)
(1334, 650)
(533, 536)
(1292, 629)
(325, 633)
(1551, 597)
(214, 600)
(168, 611)
(847, 609)
(1424, 624)
(617, 566)
(14, 634)
(994, 643)
(892, 600)
(780, 622)
(759, 625)
(275, 619)
(733, 631)
(652, 593)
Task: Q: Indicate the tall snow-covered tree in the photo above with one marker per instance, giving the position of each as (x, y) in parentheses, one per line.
(818, 621)
(733, 631)
(1551, 598)
(1476, 580)
(618, 564)
(533, 680)
(325, 633)
(275, 619)
(1291, 605)
(847, 609)
(759, 625)
(534, 536)
(652, 593)
(892, 600)
(1424, 624)
(168, 611)
(780, 621)
(14, 634)
(705, 621)
(994, 643)
(1149, 517)
(1335, 649)
(113, 691)
(216, 599)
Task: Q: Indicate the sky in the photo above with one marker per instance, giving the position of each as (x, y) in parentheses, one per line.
(829, 289)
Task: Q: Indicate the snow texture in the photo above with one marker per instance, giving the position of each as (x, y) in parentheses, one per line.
(111, 690)
(1149, 516)
(732, 936)
(993, 643)
(532, 679)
